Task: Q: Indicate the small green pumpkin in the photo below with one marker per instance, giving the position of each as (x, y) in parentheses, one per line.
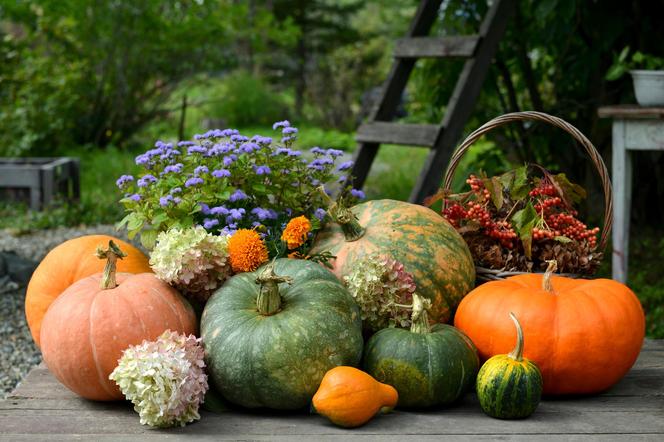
(428, 365)
(269, 339)
(509, 386)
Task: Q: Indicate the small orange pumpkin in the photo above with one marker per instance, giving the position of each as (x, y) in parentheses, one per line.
(584, 335)
(350, 397)
(67, 263)
(86, 329)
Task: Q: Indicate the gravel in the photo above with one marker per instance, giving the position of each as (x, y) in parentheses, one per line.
(18, 353)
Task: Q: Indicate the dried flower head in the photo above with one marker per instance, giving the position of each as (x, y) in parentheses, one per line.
(164, 379)
(382, 288)
(247, 250)
(192, 260)
(296, 232)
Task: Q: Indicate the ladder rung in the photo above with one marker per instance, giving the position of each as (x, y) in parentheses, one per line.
(435, 47)
(396, 133)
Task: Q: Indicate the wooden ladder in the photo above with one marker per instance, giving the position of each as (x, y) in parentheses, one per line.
(440, 139)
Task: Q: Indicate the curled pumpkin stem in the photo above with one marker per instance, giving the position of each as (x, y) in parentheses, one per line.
(546, 280)
(111, 255)
(420, 317)
(342, 215)
(517, 353)
(268, 301)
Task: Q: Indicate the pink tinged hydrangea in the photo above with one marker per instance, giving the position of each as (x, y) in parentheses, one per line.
(192, 260)
(382, 288)
(164, 379)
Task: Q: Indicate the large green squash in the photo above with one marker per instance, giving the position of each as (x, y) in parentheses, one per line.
(423, 241)
(427, 365)
(271, 335)
(509, 386)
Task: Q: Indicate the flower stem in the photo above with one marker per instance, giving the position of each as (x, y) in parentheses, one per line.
(546, 280)
(517, 353)
(420, 316)
(268, 301)
(343, 216)
(111, 255)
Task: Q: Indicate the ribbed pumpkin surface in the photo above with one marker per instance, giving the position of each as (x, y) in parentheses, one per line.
(509, 389)
(67, 263)
(425, 243)
(426, 369)
(278, 361)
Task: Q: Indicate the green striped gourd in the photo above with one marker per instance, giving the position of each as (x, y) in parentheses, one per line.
(269, 339)
(509, 386)
(416, 236)
(428, 365)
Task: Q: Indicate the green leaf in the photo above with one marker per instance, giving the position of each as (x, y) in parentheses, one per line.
(496, 192)
(524, 220)
(615, 72)
(562, 239)
(135, 221)
(572, 193)
(120, 225)
(259, 188)
(148, 238)
(521, 187)
(507, 179)
(159, 218)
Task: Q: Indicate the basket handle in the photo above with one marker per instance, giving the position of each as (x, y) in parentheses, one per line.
(554, 121)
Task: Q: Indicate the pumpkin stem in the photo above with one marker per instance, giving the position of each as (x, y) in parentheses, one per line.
(546, 281)
(111, 255)
(342, 215)
(420, 316)
(517, 353)
(268, 301)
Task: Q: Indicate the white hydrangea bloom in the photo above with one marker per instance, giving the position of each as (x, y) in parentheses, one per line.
(191, 260)
(382, 288)
(164, 379)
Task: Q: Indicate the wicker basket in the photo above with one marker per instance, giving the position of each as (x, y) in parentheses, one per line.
(484, 274)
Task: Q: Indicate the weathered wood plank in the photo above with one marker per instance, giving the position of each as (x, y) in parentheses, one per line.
(630, 111)
(436, 47)
(644, 135)
(394, 133)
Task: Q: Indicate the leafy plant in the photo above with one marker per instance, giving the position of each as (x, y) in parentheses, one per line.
(623, 63)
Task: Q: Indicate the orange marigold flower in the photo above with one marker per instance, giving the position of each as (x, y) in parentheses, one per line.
(246, 250)
(296, 231)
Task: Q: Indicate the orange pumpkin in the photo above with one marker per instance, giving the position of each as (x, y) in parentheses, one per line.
(88, 326)
(350, 397)
(584, 335)
(67, 263)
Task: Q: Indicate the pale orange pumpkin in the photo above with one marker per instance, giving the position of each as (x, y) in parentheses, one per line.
(584, 335)
(67, 263)
(88, 326)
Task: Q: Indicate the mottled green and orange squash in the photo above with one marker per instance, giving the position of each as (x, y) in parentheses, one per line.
(425, 243)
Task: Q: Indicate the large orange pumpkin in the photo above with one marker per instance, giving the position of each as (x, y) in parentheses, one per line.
(67, 263)
(88, 326)
(584, 335)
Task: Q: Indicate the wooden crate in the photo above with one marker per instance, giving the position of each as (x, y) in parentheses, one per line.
(39, 181)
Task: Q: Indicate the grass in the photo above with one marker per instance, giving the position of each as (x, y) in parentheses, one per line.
(393, 176)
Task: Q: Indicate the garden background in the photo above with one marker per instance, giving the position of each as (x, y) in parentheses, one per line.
(103, 80)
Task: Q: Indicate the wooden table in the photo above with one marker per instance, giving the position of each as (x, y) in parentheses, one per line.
(634, 128)
(40, 408)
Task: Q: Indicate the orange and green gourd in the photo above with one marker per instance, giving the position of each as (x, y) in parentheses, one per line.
(509, 386)
(416, 236)
(428, 365)
(349, 397)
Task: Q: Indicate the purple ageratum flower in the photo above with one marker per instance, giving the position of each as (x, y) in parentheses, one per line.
(134, 197)
(201, 169)
(230, 229)
(210, 223)
(282, 150)
(317, 150)
(264, 141)
(357, 193)
(146, 180)
(320, 213)
(237, 138)
(315, 182)
(193, 181)
(205, 209)
(175, 190)
(280, 124)
(335, 152)
(263, 214)
(345, 165)
(196, 149)
(248, 147)
(171, 153)
(320, 163)
(287, 140)
(238, 195)
(294, 153)
(143, 160)
(177, 200)
(235, 215)
(221, 173)
(229, 160)
(342, 179)
(123, 181)
(262, 170)
(289, 130)
(229, 132)
(186, 143)
(219, 210)
(177, 168)
(165, 200)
